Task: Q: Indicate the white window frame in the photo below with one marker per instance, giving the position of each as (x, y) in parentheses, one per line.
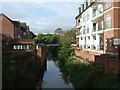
(108, 21)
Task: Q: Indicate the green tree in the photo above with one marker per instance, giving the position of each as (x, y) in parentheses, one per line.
(40, 38)
(58, 31)
(65, 49)
(71, 34)
(32, 35)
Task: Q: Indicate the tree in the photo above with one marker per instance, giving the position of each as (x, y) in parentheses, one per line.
(58, 31)
(71, 34)
(40, 38)
(65, 49)
(32, 35)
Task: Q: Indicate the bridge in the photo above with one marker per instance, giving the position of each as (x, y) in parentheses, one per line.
(48, 45)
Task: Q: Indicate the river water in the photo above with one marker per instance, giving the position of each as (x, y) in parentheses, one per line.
(53, 77)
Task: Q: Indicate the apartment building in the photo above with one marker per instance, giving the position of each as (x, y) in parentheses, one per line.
(13, 29)
(98, 26)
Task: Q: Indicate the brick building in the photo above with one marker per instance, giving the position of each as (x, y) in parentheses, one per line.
(98, 27)
(13, 29)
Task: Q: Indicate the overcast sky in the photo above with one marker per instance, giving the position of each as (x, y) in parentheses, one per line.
(43, 17)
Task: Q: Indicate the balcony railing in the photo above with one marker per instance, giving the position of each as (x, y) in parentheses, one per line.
(83, 31)
(94, 29)
(88, 46)
(93, 47)
(100, 47)
(97, 13)
(79, 33)
(87, 30)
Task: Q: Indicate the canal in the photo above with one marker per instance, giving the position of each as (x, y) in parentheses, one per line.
(55, 74)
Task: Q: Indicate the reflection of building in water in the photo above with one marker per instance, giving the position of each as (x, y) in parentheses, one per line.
(41, 57)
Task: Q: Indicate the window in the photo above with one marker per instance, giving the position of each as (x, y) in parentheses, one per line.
(7, 36)
(108, 21)
(81, 38)
(108, 4)
(18, 36)
(94, 37)
(24, 33)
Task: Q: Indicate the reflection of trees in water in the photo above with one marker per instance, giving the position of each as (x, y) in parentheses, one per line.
(64, 71)
(52, 54)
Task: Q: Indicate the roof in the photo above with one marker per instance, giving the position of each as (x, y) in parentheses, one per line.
(23, 24)
(85, 9)
(16, 23)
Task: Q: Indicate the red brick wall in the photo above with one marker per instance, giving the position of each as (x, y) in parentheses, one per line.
(7, 26)
(108, 62)
(119, 52)
(87, 54)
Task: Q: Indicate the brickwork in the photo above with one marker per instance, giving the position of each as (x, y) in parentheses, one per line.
(7, 27)
(13, 28)
(87, 54)
(108, 62)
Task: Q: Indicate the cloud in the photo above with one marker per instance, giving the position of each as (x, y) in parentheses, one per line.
(43, 17)
(41, 1)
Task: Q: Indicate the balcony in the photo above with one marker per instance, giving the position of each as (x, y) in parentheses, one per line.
(94, 29)
(100, 28)
(87, 30)
(97, 15)
(100, 47)
(88, 47)
(93, 47)
(84, 32)
(79, 25)
(79, 33)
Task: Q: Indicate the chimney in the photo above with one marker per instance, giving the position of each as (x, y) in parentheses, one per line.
(82, 7)
(79, 10)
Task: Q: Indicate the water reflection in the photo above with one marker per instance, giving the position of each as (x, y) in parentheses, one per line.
(56, 74)
(53, 78)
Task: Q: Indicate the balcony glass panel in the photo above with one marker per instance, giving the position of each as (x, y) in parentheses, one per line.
(94, 29)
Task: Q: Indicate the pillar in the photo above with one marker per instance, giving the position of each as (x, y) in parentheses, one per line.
(18, 46)
(97, 42)
(91, 42)
(37, 47)
(14, 47)
(21, 47)
(27, 46)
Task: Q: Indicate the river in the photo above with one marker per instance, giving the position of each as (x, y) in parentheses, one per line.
(53, 77)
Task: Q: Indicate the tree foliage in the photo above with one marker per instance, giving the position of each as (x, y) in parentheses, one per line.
(46, 38)
(32, 35)
(59, 31)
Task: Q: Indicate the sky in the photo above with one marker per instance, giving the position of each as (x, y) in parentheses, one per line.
(42, 17)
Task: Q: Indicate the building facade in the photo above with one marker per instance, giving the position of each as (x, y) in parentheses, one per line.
(98, 26)
(13, 29)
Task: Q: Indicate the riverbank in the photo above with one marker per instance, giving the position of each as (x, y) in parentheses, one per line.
(84, 74)
(20, 71)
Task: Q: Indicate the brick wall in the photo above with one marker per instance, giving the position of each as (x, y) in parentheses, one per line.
(108, 62)
(41, 54)
(119, 52)
(87, 54)
(7, 27)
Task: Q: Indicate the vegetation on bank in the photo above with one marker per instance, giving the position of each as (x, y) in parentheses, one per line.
(84, 74)
(20, 71)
